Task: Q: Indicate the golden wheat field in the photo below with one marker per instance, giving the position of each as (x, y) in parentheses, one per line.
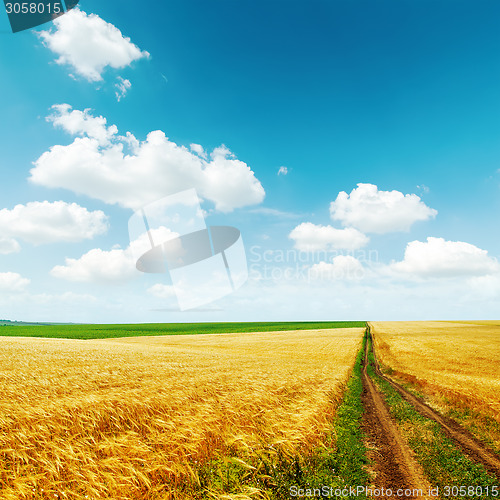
(135, 418)
(456, 363)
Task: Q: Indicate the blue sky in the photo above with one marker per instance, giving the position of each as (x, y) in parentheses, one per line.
(397, 95)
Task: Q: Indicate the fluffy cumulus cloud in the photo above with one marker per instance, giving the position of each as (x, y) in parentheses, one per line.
(373, 211)
(120, 169)
(111, 266)
(50, 222)
(82, 123)
(98, 266)
(342, 267)
(437, 257)
(309, 237)
(12, 282)
(89, 44)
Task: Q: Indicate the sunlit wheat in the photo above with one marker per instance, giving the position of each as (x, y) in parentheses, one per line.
(455, 363)
(137, 417)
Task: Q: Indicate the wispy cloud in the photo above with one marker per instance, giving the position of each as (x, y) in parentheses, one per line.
(273, 212)
(122, 87)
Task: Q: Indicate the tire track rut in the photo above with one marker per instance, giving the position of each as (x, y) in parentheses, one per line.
(475, 449)
(395, 466)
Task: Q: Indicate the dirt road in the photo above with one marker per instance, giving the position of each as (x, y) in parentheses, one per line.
(395, 467)
(476, 450)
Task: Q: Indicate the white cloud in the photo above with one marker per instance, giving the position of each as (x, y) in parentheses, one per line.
(12, 282)
(198, 149)
(98, 266)
(111, 266)
(342, 267)
(89, 44)
(82, 123)
(9, 245)
(151, 170)
(46, 222)
(229, 182)
(310, 237)
(158, 236)
(122, 87)
(283, 171)
(440, 258)
(373, 211)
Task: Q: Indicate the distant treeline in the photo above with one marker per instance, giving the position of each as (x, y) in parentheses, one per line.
(8, 322)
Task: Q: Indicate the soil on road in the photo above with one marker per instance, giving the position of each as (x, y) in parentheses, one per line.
(395, 467)
(475, 449)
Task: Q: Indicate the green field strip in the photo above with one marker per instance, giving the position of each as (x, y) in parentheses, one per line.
(104, 331)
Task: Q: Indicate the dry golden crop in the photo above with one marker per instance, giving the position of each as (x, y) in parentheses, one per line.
(456, 363)
(135, 418)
